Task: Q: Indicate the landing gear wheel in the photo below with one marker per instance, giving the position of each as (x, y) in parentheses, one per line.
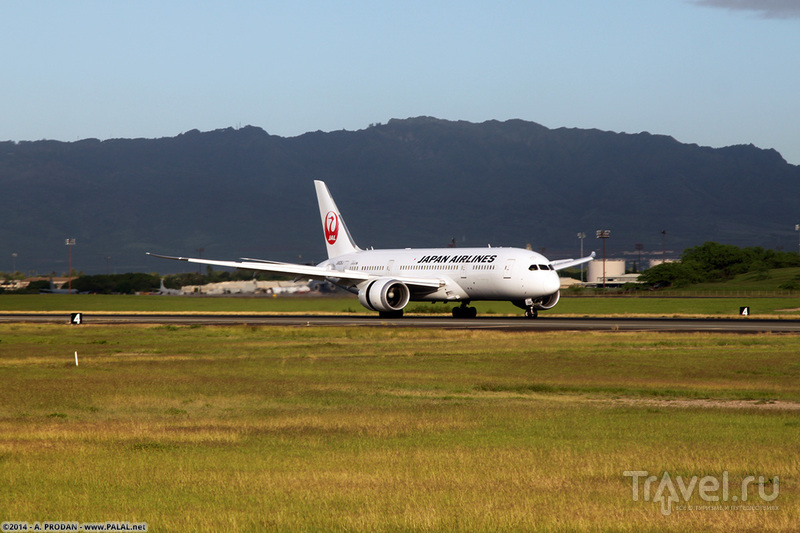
(464, 312)
(531, 313)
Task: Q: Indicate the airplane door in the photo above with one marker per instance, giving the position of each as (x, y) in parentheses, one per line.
(508, 268)
(463, 270)
(390, 266)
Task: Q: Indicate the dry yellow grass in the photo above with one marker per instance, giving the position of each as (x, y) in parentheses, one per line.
(247, 429)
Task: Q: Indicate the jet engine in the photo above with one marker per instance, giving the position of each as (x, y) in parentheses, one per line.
(385, 295)
(547, 302)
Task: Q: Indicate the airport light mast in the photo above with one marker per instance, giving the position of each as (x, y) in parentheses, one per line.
(581, 236)
(70, 243)
(604, 234)
(797, 228)
(639, 247)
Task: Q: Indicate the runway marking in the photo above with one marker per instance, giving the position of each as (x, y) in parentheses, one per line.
(730, 325)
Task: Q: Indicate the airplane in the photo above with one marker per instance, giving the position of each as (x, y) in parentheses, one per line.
(55, 290)
(164, 291)
(387, 280)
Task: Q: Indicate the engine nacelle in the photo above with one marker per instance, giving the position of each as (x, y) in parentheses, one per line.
(547, 302)
(384, 295)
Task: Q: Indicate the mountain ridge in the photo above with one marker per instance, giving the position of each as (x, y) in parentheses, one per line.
(409, 182)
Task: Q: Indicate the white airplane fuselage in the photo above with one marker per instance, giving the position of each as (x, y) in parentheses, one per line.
(466, 273)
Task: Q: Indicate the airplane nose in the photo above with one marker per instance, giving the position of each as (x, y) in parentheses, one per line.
(553, 282)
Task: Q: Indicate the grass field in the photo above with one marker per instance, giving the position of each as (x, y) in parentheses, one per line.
(567, 306)
(250, 428)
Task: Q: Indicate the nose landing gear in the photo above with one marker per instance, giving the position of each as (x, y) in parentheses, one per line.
(531, 306)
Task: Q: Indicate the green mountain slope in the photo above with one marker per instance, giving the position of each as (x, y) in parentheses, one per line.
(414, 182)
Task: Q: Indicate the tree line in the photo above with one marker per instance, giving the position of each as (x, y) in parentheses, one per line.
(707, 262)
(134, 282)
(712, 261)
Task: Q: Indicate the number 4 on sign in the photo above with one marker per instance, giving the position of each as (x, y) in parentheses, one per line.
(76, 319)
(744, 311)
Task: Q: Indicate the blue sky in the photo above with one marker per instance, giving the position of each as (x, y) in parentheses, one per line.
(711, 72)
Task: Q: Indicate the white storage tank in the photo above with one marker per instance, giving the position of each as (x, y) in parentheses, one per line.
(656, 262)
(614, 268)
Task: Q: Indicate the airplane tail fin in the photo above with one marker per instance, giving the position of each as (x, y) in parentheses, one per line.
(337, 237)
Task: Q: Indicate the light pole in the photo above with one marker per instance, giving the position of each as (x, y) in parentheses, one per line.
(664, 246)
(14, 257)
(639, 247)
(70, 243)
(200, 254)
(581, 236)
(797, 228)
(604, 234)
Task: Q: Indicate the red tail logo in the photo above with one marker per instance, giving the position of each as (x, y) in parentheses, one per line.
(331, 227)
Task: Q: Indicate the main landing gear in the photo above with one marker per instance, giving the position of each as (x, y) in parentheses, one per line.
(531, 312)
(464, 311)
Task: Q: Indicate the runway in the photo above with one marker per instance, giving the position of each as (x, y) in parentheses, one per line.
(735, 325)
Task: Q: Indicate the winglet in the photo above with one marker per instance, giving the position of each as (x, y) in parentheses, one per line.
(338, 240)
(168, 257)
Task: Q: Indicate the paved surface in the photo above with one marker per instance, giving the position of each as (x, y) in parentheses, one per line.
(740, 325)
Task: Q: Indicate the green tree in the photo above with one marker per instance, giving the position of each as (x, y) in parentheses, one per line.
(117, 283)
(671, 275)
(716, 261)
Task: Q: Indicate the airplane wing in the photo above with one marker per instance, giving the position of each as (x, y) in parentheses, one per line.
(566, 263)
(313, 272)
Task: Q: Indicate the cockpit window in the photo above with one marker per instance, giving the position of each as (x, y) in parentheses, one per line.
(533, 267)
(544, 267)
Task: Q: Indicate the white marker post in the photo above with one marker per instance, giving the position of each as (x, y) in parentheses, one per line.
(76, 358)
